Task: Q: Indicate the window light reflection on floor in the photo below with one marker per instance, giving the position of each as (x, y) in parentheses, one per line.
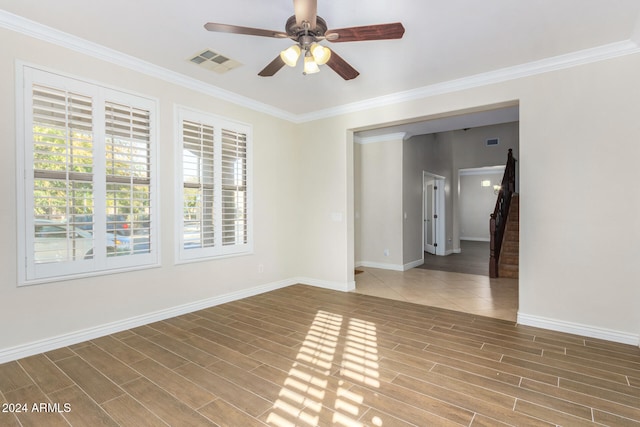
(305, 391)
(360, 357)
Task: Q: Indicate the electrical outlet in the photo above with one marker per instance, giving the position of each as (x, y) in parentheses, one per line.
(386, 252)
(260, 268)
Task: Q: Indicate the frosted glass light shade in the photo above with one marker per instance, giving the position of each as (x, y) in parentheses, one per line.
(320, 53)
(290, 56)
(310, 65)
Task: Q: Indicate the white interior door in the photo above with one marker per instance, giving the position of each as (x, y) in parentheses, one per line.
(433, 198)
(430, 217)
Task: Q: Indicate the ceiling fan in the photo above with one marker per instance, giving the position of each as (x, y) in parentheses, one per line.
(307, 29)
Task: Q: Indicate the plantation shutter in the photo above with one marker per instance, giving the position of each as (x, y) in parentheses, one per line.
(198, 185)
(234, 188)
(87, 169)
(215, 176)
(128, 177)
(62, 129)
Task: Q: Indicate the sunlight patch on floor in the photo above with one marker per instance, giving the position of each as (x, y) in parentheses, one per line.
(302, 401)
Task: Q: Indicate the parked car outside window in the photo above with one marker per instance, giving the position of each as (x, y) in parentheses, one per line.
(57, 241)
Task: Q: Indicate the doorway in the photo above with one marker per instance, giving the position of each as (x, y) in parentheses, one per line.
(433, 217)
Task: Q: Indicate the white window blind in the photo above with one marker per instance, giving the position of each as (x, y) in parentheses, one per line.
(128, 177)
(198, 195)
(234, 188)
(62, 129)
(215, 186)
(87, 203)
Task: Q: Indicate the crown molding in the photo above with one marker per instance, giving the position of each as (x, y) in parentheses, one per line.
(34, 29)
(573, 59)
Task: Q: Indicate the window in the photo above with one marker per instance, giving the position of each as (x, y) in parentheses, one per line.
(214, 164)
(87, 158)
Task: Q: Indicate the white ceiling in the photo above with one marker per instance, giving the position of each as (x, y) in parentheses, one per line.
(445, 41)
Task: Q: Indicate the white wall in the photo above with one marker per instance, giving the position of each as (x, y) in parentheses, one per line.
(380, 218)
(477, 202)
(578, 148)
(439, 161)
(388, 200)
(324, 205)
(415, 154)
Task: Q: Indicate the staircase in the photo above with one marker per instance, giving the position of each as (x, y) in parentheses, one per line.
(504, 226)
(509, 253)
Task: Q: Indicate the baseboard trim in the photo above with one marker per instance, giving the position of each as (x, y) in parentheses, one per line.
(381, 265)
(393, 267)
(48, 344)
(325, 284)
(413, 264)
(578, 329)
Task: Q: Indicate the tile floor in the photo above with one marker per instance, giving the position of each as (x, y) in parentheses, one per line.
(469, 293)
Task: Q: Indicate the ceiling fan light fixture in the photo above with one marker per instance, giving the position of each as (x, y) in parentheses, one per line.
(307, 29)
(310, 66)
(290, 55)
(320, 53)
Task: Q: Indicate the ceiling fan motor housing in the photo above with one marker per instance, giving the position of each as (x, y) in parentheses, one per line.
(305, 36)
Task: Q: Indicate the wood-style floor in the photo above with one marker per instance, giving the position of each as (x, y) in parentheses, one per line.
(303, 356)
(473, 258)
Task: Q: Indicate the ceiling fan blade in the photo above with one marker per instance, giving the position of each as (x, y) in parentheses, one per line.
(367, 32)
(236, 29)
(305, 10)
(340, 66)
(273, 67)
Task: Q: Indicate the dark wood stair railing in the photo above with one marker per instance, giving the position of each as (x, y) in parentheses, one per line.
(498, 219)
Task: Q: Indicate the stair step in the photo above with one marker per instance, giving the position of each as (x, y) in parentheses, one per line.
(510, 246)
(509, 259)
(508, 274)
(508, 265)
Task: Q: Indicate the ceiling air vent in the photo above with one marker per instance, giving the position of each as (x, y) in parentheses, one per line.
(214, 61)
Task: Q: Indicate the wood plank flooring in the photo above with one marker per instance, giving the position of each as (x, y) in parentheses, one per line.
(303, 356)
(473, 258)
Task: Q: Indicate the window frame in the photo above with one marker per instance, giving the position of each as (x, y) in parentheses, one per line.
(29, 271)
(217, 251)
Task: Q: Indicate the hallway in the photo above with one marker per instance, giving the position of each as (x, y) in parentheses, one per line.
(473, 258)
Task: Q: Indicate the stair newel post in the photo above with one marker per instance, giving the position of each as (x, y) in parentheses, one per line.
(511, 171)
